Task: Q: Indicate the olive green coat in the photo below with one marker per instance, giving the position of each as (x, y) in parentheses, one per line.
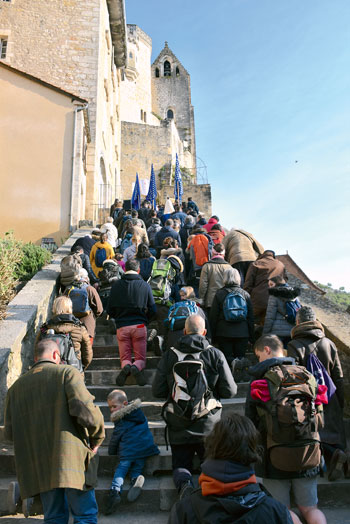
(51, 418)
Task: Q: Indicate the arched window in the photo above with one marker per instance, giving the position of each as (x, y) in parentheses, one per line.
(167, 68)
(157, 72)
(177, 71)
(170, 113)
(141, 114)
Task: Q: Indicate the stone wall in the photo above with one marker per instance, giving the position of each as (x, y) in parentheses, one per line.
(25, 313)
(201, 194)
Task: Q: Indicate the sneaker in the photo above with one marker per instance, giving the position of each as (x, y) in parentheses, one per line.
(139, 375)
(152, 333)
(136, 487)
(186, 490)
(27, 506)
(121, 378)
(113, 500)
(336, 465)
(157, 345)
(12, 497)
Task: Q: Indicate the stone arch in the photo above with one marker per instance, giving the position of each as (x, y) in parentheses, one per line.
(170, 114)
(157, 72)
(177, 71)
(167, 68)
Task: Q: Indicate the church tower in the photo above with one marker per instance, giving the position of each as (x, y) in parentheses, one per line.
(171, 99)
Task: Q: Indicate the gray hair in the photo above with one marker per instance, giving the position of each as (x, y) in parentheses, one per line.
(305, 314)
(195, 325)
(231, 277)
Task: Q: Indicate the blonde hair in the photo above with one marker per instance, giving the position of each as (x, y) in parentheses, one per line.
(62, 305)
(118, 395)
(136, 239)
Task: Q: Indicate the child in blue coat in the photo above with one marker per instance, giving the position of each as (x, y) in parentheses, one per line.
(132, 441)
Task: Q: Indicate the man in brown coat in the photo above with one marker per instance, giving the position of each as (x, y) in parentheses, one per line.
(212, 276)
(241, 249)
(256, 282)
(56, 430)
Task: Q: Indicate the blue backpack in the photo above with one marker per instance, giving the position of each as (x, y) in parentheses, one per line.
(126, 242)
(100, 256)
(179, 312)
(80, 300)
(292, 307)
(235, 307)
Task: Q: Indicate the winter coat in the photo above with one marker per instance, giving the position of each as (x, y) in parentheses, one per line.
(85, 260)
(142, 233)
(96, 307)
(223, 328)
(211, 279)
(275, 320)
(70, 267)
(67, 323)
(129, 253)
(309, 337)
(131, 438)
(109, 255)
(180, 216)
(266, 469)
(146, 265)
(112, 233)
(256, 280)
(166, 231)
(51, 418)
(86, 243)
(200, 249)
(131, 301)
(210, 224)
(228, 501)
(151, 232)
(219, 379)
(241, 246)
(192, 205)
(185, 232)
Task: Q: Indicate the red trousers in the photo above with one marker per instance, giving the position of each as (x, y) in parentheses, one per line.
(132, 339)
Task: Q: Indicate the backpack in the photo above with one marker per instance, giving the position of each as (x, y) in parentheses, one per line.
(291, 418)
(235, 307)
(315, 366)
(126, 242)
(66, 346)
(110, 273)
(160, 280)
(80, 299)
(190, 398)
(179, 312)
(100, 256)
(292, 307)
(70, 267)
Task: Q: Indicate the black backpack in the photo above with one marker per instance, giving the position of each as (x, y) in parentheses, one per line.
(66, 346)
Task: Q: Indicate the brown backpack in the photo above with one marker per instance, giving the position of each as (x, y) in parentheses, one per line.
(291, 418)
(70, 267)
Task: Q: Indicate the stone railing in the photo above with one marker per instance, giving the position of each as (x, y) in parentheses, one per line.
(25, 313)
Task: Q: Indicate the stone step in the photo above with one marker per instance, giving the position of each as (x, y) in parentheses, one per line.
(96, 378)
(106, 339)
(105, 351)
(100, 391)
(114, 363)
(159, 494)
(152, 409)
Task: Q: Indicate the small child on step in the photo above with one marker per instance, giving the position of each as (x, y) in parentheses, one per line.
(133, 441)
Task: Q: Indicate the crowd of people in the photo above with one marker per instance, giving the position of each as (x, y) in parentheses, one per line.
(208, 302)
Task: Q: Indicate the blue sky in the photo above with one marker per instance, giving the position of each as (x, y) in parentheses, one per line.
(271, 91)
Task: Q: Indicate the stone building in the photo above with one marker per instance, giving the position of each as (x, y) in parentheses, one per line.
(79, 47)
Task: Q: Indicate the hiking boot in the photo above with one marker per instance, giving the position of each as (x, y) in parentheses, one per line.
(139, 375)
(12, 497)
(136, 487)
(186, 490)
(113, 500)
(336, 465)
(157, 345)
(27, 506)
(121, 378)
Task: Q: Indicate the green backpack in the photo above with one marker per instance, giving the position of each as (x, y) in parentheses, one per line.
(160, 281)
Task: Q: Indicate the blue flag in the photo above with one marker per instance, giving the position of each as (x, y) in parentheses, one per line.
(178, 187)
(136, 195)
(152, 192)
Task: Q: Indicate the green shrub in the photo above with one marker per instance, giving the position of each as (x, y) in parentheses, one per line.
(33, 259)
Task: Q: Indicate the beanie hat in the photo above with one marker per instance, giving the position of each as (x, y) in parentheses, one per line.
(306, 314)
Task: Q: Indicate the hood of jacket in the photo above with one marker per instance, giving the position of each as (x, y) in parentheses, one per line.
(259, 370)
(311, 329)
(284, 291)
(62, 319)
(217, 259)
(132, 276)
(130, 408)
(192, 343)
(109, 262)
(171, 251)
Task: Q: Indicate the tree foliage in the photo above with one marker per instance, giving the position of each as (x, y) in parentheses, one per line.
(338, 296)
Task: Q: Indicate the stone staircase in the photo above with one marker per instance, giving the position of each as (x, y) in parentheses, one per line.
(158, 492)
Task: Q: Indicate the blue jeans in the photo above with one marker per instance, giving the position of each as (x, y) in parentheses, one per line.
(57, 503)
(136, 469)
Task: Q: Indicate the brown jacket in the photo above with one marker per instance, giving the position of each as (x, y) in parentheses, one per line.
(241, 246)
(80, 337)
(258, 274)
(53, 422)
(96, 306)
(212, 279)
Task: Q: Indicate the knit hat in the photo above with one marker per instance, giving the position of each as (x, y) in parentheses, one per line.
(306, 314)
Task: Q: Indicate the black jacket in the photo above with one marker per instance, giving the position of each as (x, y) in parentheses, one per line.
(166, 231)
(131, 301)
(249, 505)
(221, 327)
(219, 379)
(86, 243)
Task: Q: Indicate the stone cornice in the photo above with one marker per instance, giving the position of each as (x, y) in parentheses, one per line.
(117, 23)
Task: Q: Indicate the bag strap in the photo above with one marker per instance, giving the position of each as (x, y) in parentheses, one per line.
(315, 344)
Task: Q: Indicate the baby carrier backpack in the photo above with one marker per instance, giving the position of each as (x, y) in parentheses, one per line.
(160, 281)
(66, 347)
